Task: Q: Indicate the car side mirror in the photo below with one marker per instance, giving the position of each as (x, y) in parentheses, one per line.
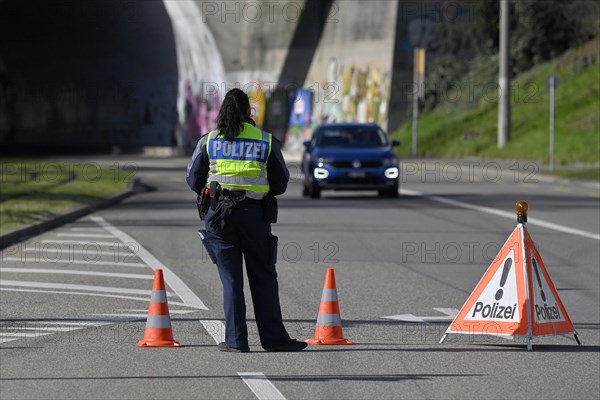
(306, 144)
(395, 143)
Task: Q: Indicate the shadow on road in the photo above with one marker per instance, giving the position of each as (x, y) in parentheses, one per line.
(294, 378)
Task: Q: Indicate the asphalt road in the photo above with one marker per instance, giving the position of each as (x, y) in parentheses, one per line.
(73, 303)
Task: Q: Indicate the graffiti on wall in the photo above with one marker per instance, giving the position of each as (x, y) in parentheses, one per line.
(350, 93)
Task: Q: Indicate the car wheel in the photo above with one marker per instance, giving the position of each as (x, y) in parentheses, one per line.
(304, 190)
(315, 192)
(390, 193)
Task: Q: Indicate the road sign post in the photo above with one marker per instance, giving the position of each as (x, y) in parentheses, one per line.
(552, 83)
(418, 94)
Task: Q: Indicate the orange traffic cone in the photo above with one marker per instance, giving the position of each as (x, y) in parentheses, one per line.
(158, 331)
(329, 323)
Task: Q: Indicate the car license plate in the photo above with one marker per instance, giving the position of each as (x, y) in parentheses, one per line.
(357, 174)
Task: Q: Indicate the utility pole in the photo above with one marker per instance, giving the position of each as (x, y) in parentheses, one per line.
(504, 77)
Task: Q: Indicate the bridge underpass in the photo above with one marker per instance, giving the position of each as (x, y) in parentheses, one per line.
(108, 75)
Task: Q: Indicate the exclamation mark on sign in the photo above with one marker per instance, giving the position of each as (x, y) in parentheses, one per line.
(537, 275)
(507, 265)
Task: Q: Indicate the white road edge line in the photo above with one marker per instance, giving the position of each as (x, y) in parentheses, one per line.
(505, 214)
(178, 286)
(262, 388)
(114, 296)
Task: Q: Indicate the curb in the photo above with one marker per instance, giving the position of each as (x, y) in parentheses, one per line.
(19, 234)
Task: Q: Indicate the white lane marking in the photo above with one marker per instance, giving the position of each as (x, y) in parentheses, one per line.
(123, 264)
(262, 388)
(114, 296)
(141, 316)
(47, 328)
(74, 323)
(82, 252)
(21, 332)
(178, 286)
(87, 288)
(34, 332)
(145, 310)
(85, 235)
(216, 329)
(449, 317)
(505, 214)
(75, 272)
(85, 243)
(141, 313)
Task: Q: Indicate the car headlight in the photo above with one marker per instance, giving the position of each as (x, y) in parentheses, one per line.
(390, 160)
(320, 173)
(391, 173)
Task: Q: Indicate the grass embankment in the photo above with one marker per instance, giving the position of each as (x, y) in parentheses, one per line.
(465, 124)
(35, 190)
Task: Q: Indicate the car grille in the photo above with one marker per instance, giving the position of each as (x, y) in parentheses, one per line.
(363, 164)
(368, 180)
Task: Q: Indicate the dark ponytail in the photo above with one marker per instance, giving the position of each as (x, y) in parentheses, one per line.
(234, 110)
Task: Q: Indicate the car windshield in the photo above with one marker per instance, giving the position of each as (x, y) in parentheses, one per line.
(352, 137)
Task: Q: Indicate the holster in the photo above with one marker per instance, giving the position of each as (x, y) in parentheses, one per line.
(270, 208)
(227, 200)
(203, 202)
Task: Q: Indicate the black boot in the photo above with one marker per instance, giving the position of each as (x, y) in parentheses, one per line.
(292, 345)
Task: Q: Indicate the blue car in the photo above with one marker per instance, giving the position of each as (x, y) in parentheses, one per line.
(350, 156)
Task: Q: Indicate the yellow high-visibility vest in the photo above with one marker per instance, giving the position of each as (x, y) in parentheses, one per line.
(242, 163)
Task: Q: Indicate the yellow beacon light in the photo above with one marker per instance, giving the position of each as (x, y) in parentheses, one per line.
(521, 208)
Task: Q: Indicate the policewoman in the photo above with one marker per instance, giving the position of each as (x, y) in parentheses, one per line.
(243, 168)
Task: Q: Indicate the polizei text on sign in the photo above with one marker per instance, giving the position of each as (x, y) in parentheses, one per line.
(493, 311)
(547, 313)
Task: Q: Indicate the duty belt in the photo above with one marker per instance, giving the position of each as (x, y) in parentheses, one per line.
(227, 200)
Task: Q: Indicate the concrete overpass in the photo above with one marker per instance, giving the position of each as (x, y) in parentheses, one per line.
(109, 74)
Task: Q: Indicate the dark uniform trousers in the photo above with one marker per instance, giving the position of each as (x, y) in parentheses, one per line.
(245, 232)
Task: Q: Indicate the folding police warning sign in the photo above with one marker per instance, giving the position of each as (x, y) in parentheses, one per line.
(549, 314)
(515, 297)
(498, 305)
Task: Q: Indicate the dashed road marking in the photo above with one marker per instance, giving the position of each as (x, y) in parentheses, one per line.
(77, 261)
(76, 272)
(114, 296)
(450, 313)
(562, 189)
(84, 235)
(87, 288)
(529, 185)
(261, 387)
(84, 242)
(12, 333)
